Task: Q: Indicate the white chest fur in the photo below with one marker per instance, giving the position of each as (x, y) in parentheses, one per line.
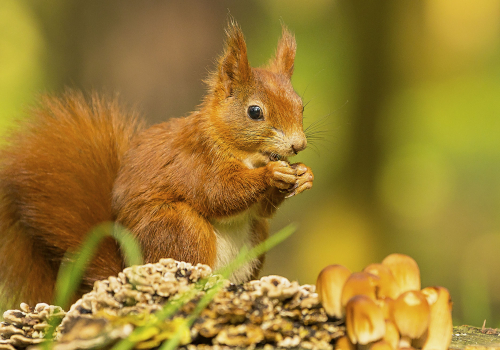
(232, 235)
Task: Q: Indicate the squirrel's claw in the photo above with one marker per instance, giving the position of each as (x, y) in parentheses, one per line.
(283, 177)
(301, 188)
(304, 181)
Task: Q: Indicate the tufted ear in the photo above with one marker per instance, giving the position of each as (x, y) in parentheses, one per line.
(282, 62)
(234, 68)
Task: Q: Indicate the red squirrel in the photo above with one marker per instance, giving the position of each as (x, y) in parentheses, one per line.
(195, 189)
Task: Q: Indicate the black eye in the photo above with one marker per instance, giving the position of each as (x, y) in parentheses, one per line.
(255, 112)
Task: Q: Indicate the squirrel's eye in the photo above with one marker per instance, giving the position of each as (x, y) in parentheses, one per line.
(255, 112)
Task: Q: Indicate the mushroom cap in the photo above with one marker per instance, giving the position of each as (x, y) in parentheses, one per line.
(387, 285)
(364, 320)
(433, 294)
(405, 270)
(440, 330)
(359, 283)
(411, 314)
(329, 286)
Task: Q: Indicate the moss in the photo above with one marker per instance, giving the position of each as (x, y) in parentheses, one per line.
(468, 336)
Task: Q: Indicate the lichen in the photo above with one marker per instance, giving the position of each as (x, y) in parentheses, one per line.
(272, 311)
(28, 326)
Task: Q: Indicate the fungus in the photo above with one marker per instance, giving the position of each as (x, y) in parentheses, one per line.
(26, 327)
(329, 286)
(381, 345)
(440, 330)
(359, 283)
(411, 316)
(405, 271)
(364, 320)
(270, 311)
(391, 334)
(343, 343)
(387, 285)
(278, 287)
(386, 305)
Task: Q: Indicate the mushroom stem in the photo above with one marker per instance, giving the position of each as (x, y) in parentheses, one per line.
(405, 342)
(381, 345)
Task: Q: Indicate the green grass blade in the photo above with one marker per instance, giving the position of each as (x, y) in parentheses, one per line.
(74, 264)
(72, 270)
(128, 243)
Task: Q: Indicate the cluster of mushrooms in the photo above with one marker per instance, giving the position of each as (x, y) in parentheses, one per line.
(385, 308)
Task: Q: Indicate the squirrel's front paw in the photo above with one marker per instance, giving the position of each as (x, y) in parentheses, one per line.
(304, 179)
(282, 176)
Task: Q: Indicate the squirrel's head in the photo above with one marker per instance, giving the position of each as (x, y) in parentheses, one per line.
(256, 110)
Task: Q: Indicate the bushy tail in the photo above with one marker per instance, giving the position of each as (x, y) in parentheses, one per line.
(56, 177)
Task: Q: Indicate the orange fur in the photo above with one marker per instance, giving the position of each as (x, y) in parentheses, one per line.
(76, 164)
(56, 179)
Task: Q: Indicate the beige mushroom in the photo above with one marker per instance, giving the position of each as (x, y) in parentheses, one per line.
(438, 336)
(391, 334)
(386, 305)
(411, 315)
(405, 271)
(381, 345)
(387, 285)
(343, 343)
(329, 287)
(359, 283)
(364, 320)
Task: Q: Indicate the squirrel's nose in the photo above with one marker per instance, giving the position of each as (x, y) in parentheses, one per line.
(299, 143)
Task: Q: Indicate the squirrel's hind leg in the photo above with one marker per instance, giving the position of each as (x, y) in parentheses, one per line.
(176, 230)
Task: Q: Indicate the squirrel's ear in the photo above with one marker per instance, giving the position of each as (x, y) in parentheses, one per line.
(282, 62)
(234, 68)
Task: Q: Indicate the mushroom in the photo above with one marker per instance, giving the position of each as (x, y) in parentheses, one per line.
(411, 315)
(391, 334)
(405, 271)
(387, 285)
(343, 343)
(438, 336)
(386, 305)
(329, 287)
(364, 320)
(381, 345)
(359, 283)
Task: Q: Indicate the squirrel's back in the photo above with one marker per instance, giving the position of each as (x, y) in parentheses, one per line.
(56, 178)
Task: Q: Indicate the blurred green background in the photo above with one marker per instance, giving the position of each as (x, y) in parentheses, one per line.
(406, 92)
